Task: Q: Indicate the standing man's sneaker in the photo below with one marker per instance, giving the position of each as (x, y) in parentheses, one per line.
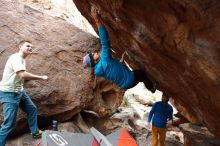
(37, 134)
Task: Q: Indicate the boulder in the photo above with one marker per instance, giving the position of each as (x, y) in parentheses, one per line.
(198, 135)
(175, 42)
(58, 51)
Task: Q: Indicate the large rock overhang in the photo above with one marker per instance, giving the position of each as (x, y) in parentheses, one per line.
(175, 42)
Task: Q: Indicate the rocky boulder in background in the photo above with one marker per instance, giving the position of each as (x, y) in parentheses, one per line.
(58, 51)
(176, 42)
(63, 9)
(195, 135)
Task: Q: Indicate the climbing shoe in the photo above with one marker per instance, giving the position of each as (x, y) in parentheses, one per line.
(154, 88)
(38, 134)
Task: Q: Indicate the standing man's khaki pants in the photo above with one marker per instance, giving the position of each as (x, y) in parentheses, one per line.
(161, 132)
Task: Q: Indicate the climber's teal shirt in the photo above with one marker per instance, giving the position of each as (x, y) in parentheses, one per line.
(162, 112)
(110, 68)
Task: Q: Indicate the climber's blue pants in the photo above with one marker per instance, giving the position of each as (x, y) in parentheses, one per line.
(11, 101)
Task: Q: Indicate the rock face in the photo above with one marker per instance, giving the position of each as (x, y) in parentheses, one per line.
(58, 51)
(64, 9)
(195, 135)
(175, 42)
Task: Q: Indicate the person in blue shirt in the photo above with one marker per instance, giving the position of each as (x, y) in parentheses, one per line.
(162, 114)
(111, 69)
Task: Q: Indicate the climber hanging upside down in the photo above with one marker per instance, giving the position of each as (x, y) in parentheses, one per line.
(111, 69)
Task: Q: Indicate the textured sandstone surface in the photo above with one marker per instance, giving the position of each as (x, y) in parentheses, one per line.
(197, 135)
(176, 42)
(58, 51)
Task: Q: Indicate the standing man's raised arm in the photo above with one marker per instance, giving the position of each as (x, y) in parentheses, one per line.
(29, 76)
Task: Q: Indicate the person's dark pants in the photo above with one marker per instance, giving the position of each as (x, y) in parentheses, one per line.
(140, 76)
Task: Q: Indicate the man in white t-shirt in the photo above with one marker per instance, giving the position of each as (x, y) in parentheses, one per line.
(12, 94)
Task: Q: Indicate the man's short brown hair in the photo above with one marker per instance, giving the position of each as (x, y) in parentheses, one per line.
(23, 41)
